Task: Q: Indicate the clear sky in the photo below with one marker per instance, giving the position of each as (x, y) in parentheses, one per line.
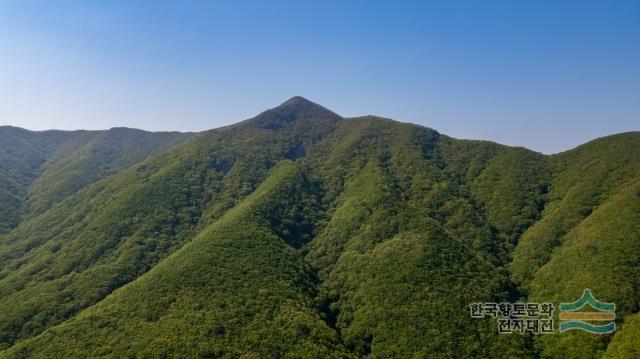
(547, 75)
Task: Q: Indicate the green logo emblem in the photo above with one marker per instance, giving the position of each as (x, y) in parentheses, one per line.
(572, 317)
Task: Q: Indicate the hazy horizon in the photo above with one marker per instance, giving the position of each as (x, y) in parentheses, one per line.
(547, 76)
(169, 130)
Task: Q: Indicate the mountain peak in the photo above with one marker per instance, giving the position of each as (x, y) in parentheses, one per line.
(298, 101)
(296, 109)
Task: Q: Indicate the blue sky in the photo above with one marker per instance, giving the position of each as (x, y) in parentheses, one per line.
(547, 75)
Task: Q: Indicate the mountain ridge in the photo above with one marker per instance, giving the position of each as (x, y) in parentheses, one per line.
(388, 231)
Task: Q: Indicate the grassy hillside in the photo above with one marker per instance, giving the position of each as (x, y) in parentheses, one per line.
(298, 233)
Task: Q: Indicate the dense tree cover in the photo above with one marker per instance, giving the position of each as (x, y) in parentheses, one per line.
(301, 234)
(89, 156)
(588, 237)
(22, 153)
(625, 342)
(236, 289)
(406, 249)
(39, 169)
(584, 178)
(74, 254)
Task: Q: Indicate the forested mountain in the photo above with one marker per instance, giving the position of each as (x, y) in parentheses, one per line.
(39, 169)
(299, 233)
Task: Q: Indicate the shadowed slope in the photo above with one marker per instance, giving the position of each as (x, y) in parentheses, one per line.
(236, 289)
(40, 169)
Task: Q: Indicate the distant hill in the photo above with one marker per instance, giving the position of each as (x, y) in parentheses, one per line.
(38, 169)
(299, 233)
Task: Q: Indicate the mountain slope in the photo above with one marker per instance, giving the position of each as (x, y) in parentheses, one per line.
(22, 153)
(89, 157)
(74, 254)
(588, 237)
(298, 233)
(237, 288)
(407, 246)
(39, 169)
